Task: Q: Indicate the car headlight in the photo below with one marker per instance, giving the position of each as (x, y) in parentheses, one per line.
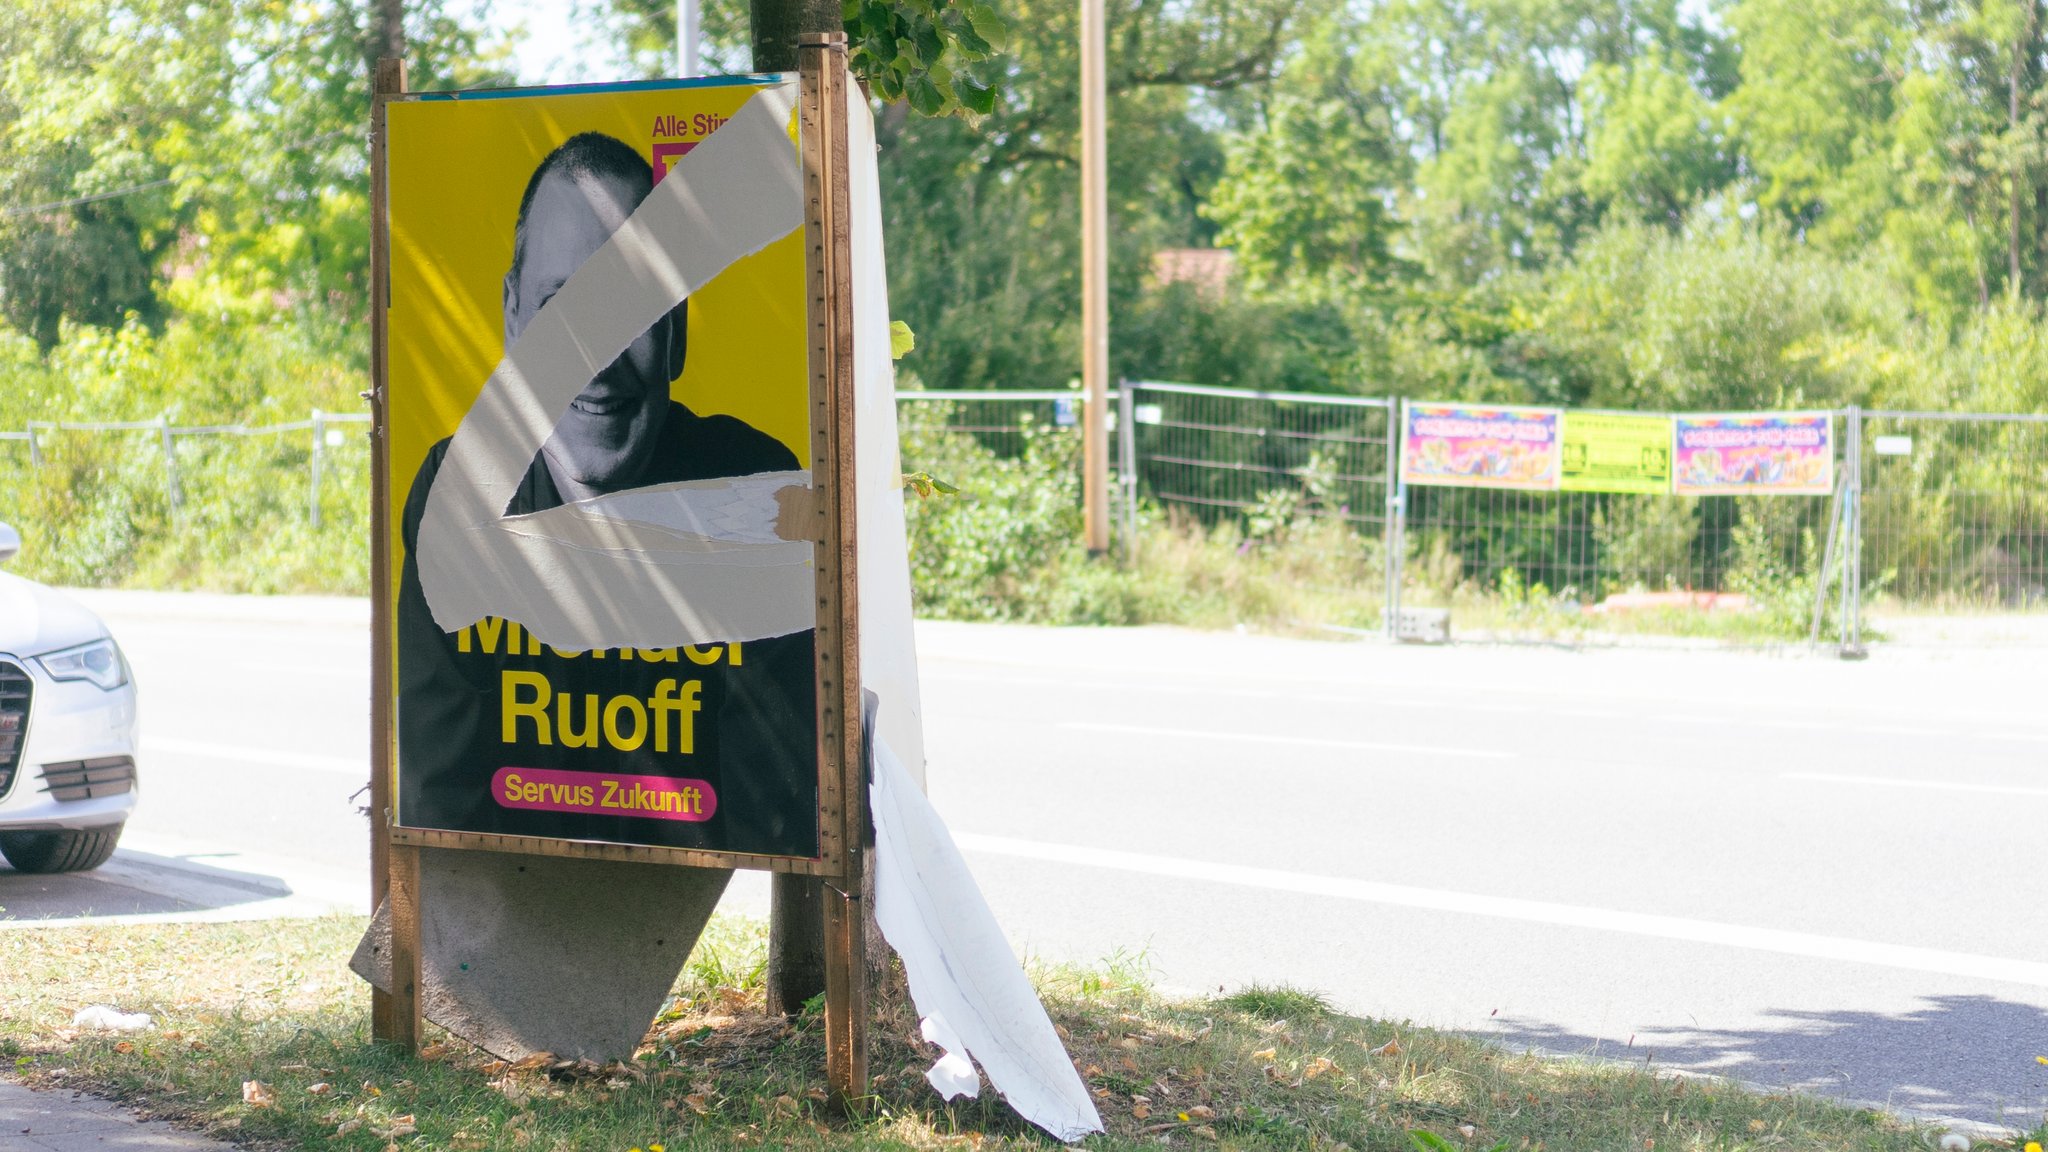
(98, 663)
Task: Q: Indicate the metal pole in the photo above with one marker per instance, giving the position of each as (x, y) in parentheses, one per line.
(313, 497)
(163, 426)
(1127, 464)
(1848, 527)
(1852, 566)
(1094, 276)
(689, 27)
(1397, 519)
(1827, 561)
(1389, 595)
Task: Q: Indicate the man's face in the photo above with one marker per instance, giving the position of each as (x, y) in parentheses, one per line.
(604, 439)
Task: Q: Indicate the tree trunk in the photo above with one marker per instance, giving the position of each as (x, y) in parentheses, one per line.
(796, 918)
(796, 942)
(777, 23)
(2015, 113)
(386, 35)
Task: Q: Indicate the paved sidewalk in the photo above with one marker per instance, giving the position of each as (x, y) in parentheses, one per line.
(66, 1121)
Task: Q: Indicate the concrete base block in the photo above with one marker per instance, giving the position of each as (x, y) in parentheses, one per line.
(1423, 625)
(525, 954)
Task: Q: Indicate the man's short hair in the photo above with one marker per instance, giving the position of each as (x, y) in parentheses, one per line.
(585, 155)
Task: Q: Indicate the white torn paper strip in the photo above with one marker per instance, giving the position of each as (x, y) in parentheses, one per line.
(724, 521)
(976, 1003)
(618, 572)
(964, 979)
(888, 652)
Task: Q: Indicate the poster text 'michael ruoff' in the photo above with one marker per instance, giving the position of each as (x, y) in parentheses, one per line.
(532, 709)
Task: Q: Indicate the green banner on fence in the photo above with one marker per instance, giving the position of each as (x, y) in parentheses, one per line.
(1605, 452)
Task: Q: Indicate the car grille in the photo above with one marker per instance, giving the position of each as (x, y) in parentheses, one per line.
(15, 687)
(89, 779)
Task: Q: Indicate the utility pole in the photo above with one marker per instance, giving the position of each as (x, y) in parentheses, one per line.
(1094, 278)
(688, 25)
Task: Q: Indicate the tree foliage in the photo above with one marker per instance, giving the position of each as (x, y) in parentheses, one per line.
(1636, 201)
(151, 138)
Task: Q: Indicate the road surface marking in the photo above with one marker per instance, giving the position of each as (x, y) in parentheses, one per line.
(1528, 911)
(1939, 785)
(347, 765)
(1305, 741)
(1850, 726)
(950, 669)
(351, 670)
(1493, 709)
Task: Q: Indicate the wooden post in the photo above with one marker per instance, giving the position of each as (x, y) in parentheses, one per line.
(394, 868)
(1094, 278)
(822, 66)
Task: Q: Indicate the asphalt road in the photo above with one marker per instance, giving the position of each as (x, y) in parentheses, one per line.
(1794, 871)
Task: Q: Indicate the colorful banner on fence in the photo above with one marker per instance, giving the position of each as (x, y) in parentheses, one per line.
(1481, 446)
(1613, 452)
(1755, 453)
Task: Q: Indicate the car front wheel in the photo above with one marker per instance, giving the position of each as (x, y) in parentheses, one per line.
(62, 850)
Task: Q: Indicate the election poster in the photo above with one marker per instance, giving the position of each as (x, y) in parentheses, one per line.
(1754, 453)
(1616, 452)
(600, 449)
(1481, 446)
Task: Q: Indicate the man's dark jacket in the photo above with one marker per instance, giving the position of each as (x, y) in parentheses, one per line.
(754, 735)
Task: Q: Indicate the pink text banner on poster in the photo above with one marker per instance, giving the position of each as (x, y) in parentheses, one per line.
(1754, 453)
(1481, 446)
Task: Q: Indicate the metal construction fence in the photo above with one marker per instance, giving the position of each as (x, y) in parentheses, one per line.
(189, 455)
(1933, 515)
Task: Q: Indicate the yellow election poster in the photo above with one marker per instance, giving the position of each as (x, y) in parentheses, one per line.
(598, 396)
(1614, 452)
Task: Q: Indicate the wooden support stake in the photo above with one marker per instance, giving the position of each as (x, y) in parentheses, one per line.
(394, 869)
(822, 67)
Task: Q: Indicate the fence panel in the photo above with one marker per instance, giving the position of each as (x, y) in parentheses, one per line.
(1586, 547)
(1303, 478)
(1555, 563)
(1954, 528)
(1217, 451)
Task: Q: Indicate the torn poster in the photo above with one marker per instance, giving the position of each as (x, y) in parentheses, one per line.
(977, 1003)
(609, 573)
(966, 983)
(600, 440)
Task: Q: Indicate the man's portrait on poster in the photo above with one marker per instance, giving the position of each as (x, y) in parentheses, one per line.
(470, 704)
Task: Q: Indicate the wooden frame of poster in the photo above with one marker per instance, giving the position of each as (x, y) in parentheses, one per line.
(842, 793)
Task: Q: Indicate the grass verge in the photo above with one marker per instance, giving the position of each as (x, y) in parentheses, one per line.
(262, 1038)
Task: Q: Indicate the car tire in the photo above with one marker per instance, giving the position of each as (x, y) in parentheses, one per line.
(63, 850)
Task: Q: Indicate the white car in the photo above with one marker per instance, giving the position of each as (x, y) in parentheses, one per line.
(67, 729)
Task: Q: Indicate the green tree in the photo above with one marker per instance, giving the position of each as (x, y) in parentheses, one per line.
(154, 138)
(1307, 194)
(1658, 145)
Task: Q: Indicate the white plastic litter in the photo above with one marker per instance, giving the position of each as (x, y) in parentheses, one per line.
(101, 1018)
(975, 999)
